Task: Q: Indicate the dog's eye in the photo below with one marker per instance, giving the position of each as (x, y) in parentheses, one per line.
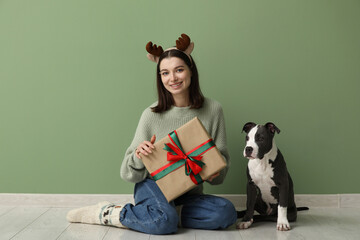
(247, 138)
(259, 138)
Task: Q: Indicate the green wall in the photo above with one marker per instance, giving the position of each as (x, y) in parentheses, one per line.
(74, 81)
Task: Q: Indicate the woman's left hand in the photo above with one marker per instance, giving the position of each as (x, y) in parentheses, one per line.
(213, 176)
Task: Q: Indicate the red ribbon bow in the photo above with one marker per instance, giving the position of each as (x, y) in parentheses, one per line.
(191, 166)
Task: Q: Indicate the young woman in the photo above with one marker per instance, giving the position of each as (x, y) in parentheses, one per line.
(179, 100)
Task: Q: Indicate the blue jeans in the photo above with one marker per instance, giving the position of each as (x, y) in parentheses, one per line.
(153, 214)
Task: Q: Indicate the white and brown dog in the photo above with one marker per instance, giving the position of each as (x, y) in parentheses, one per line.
(269, 188)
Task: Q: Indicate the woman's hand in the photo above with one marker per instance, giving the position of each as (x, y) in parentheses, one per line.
(145, 147)
(213, 176)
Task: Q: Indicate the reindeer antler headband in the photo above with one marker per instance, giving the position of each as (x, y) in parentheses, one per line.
(183, 44)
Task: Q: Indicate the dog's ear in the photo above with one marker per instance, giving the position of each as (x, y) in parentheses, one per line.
(248, 126)
(272, 127)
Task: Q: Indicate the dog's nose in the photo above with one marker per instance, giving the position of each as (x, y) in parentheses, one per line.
(248, 150)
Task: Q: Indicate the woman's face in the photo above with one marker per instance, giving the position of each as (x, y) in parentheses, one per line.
(175, 75)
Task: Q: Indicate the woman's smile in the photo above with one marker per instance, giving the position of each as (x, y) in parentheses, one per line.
(176, 85)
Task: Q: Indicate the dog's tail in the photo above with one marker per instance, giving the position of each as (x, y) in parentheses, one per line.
(302, 209)
(241, 214)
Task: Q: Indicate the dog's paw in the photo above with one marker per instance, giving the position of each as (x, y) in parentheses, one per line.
(283, 225)
(244, 225)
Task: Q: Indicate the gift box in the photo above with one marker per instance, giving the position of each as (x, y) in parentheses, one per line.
(185, 158)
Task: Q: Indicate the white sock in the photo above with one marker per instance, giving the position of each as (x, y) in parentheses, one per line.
(104, 213)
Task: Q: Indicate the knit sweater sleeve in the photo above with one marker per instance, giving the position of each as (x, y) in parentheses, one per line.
(218, 133)
(132, 168)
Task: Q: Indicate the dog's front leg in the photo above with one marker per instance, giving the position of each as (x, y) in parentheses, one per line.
(250, 206)
(282, 221)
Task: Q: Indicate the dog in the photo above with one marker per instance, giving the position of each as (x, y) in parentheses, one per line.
(269, 188)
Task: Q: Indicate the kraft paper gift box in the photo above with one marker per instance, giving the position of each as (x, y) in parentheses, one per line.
(183, 159)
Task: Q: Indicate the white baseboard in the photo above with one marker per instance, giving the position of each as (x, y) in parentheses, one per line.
(239, 200)
(61, 200)
(306, 200)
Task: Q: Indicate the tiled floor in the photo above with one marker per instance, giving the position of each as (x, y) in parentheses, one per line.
(24, 222)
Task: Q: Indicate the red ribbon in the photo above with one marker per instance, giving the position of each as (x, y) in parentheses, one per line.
(196, 169)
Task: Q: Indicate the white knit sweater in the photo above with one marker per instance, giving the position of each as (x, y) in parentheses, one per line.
(161, 124)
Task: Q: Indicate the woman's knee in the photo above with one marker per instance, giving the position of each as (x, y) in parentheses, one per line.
(148, 192)
(165, 222)
(224, 215)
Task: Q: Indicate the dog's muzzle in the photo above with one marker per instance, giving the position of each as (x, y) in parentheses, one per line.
(248, 151)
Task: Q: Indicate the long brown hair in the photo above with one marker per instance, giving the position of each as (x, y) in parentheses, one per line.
(165, 98)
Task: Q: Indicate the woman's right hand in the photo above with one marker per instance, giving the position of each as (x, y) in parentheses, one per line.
(145, 147)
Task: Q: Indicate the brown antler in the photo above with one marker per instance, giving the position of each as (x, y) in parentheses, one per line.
(183, 42)
(154, 50)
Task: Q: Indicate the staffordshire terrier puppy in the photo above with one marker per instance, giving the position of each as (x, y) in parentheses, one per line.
(269, 187)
